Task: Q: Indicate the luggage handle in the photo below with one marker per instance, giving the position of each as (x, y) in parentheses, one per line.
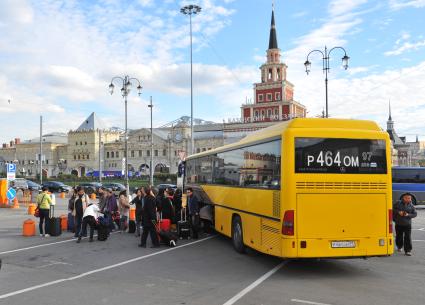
(181, 214)
(52, 211)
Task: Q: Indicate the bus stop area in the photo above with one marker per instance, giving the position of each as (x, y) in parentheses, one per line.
(57, 270)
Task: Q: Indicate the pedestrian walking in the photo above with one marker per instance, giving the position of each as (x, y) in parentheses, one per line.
(403, 212)
(124, 210)
(149, 220)
(138, 202)
(81, 201)
(91, 214)
(43, 204)
(193, 205)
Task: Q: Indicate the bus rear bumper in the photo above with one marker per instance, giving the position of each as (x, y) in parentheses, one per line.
(336, 248)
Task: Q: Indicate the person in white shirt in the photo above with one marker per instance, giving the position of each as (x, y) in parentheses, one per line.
(91, 213)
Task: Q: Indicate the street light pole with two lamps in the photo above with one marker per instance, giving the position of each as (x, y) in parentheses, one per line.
(191, 10)
(126, 84)
(326, 67)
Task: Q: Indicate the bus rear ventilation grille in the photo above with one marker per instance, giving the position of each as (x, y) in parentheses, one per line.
(341, 185)
(270, 229)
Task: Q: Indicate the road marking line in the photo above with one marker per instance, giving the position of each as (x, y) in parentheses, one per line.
(21, 291)
(308, 302)
(254, 284)
(45, 245)
(418, 240)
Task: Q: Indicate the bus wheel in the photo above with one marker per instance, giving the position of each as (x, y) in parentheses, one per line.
(237, 235)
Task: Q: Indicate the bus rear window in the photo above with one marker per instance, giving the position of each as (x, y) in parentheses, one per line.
(340, 156)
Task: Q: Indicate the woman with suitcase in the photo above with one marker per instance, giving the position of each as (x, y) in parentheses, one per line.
(43, 204)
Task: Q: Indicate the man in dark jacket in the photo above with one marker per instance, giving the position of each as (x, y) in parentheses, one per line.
(111, 207)
(193, 205)
(149, 220)
(138, 201)
(102, 198)
(403, 212)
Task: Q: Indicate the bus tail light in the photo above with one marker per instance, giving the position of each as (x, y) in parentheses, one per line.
(288, 223)
(390, 221)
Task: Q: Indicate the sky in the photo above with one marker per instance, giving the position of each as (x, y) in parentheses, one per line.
(57, 59)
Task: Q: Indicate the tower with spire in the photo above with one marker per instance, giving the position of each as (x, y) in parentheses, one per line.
(273, 96)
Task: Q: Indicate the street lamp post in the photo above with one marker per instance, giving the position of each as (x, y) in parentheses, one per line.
(126, 83)
(326, 67)
(151, 169)
(191, 10)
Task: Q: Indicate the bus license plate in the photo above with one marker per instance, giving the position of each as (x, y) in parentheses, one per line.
(344, 244)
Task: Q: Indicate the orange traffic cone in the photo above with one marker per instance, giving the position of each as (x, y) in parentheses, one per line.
(15, 203)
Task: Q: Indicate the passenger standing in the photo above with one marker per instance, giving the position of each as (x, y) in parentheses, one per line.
(111, 207)
(102, 198)
(43, 203)
(91, 214)
(124, 210)
(193, 205)
(80, 203)
(138, 202)
(403, 212)
(149, 220)
(177, 203)
(167, 209)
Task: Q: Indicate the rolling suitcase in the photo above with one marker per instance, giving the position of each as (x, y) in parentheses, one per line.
(71, 226)
(131, 226)
(55, 228)
(183, 227)
(164, 224)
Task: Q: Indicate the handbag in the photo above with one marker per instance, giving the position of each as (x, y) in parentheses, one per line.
(37, 212)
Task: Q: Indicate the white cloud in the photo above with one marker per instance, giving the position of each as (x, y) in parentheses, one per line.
(357, 70)
(399, 4)
(407, 46)
(343, 7)
(17, 11)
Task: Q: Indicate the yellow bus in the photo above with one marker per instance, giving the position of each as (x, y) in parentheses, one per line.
(305, 188)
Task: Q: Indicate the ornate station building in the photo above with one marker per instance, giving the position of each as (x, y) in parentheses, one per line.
(273, 96)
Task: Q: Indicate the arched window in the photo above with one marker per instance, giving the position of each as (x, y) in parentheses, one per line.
(269, 112)
(256, 113)
(112, 154)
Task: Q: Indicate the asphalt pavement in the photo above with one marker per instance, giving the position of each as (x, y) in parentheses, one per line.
(57, 270)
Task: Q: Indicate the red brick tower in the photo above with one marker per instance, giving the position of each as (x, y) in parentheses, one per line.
(273, 96)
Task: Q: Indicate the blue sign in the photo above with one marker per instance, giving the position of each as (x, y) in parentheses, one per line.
(11, 168)
(11, 194)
